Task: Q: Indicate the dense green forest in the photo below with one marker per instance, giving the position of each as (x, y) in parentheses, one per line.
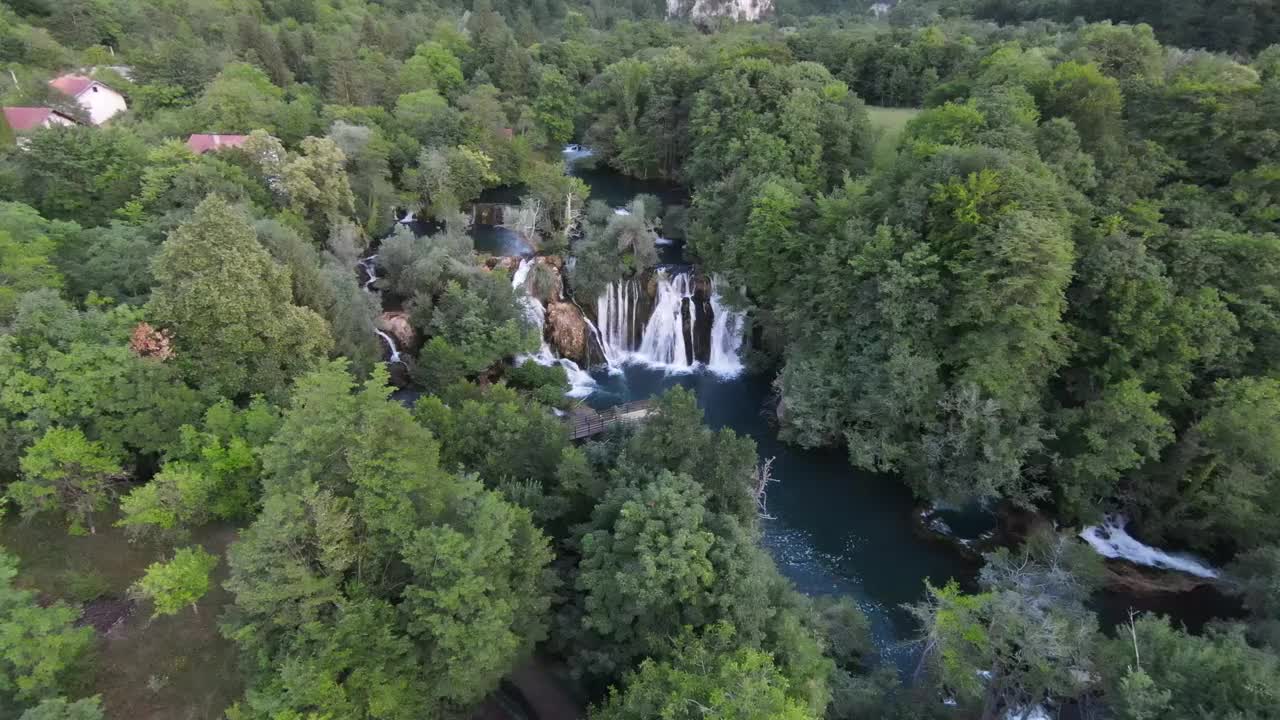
(1016, 254)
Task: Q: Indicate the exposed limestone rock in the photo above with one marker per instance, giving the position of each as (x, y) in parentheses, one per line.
(567, 332)
(396, 324)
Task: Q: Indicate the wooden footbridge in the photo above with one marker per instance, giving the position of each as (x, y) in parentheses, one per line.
(586, 423)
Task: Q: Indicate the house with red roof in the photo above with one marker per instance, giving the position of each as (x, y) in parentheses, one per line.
(99, 101)
(202, 143)
(26, 119)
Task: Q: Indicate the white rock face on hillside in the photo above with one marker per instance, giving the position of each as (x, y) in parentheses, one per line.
(736, 9)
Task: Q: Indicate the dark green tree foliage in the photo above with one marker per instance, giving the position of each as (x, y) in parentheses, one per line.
(374, 583)
(512, 444)
(707, 675)
(40, 648)
(1153, 669)
(721, 461)
(60, 709)
(62, 367)
(212, 472)
(229, 306)
(79, 173)
(28, 249)
(1025, 637)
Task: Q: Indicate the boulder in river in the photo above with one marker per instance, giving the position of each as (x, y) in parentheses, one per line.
(396, 324)
(567, 332)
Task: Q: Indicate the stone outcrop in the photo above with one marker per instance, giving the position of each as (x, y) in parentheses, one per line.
(567, 333)
(396, 324)
(1130, 579)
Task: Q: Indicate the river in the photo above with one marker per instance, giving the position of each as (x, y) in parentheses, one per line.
(833, 529)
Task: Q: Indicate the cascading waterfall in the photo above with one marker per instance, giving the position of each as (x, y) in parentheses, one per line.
(616, 309)
(391, 345)
(726, 336)
(368, 265)
(660, 340)
(1112, 540)
(663, 343)
(581, 384)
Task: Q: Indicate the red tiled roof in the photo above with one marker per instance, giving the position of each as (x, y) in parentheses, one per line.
(72, 85)
(22, 119)
(201, 144)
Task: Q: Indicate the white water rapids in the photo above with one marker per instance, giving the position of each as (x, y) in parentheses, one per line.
(1112, 540)
(369, 265)
(581, 384)
(661, 341)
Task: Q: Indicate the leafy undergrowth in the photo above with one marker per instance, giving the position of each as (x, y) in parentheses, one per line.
(170, 668)
(889, 124)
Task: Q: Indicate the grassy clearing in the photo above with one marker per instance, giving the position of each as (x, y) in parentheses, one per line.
(173, 668)
(889, 124)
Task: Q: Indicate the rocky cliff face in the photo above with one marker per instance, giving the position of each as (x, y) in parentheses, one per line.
(567, 333)
(736, 9)
(396, 324)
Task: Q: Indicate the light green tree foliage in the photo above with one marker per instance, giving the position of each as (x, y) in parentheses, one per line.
(1026, 637)
(722, 462)
(554, 108)
(63, 367)
(229, 307)
(757, 117)
(80, 174)
(40, 647)
(374, 583)
(315, 181)
(613, 246)
(67, 473)
(172, 586)
(431, 67)
(1104, 440)
(368, 154)
(562, 196)
(28, 244)
(1226, 464)
(706, 677)
(60, 709)
(646, 568)
(240, 99)
(1154, 670)
(470, 422)
(176, 180)
(447, 178)
(473, 327)
(211, 473)
(428, 119)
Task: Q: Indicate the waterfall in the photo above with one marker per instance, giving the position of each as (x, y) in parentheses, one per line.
(661, 340)
(1112, 540)
(663, 343)
(616, 311)
(726, 336)
(581, 384)
(391, 346)
(367, 264)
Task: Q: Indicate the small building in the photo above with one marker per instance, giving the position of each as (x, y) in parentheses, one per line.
(201, 143)
(26, 119)
(100, 101)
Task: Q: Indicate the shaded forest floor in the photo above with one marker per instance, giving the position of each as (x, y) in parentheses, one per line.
(172, 668)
